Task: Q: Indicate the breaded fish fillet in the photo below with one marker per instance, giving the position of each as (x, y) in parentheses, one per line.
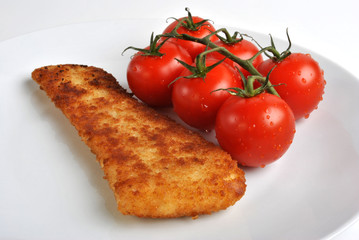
(155, 167)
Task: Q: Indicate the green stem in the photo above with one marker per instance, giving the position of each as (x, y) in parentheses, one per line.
(246, 64)
(249, 85)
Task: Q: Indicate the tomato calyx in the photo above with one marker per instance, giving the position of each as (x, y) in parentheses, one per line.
(249, 91)
(200, 69)
(154, 48)
(228, 39)
(188, 22)
(275, 54)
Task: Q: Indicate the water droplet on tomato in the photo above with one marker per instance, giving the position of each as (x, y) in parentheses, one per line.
(304, 80)
(134, 69)
(204, 107)
(268, 117)
(263, 165)
(299, 73)
(271, 123)
(280, 129)
(306, 116)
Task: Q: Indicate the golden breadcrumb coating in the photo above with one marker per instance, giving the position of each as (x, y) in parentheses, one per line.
(155, 167)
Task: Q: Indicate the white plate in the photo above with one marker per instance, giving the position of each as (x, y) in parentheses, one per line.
(51, 186)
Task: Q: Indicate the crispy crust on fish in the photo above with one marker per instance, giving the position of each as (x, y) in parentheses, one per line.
(155, 167)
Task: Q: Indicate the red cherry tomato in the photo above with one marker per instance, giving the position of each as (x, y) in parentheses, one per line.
(192, 47)
(243, 49)
(256, 131)
(149, 77)
(302, 82)
(193, 99)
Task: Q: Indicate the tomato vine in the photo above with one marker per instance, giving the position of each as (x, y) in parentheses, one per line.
(246, 64)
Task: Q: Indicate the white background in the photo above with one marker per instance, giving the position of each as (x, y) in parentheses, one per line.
(329, 28)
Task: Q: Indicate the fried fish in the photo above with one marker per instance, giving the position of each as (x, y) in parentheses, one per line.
(156, 167)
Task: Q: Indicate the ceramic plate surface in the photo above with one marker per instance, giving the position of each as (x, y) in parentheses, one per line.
(51, 186)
